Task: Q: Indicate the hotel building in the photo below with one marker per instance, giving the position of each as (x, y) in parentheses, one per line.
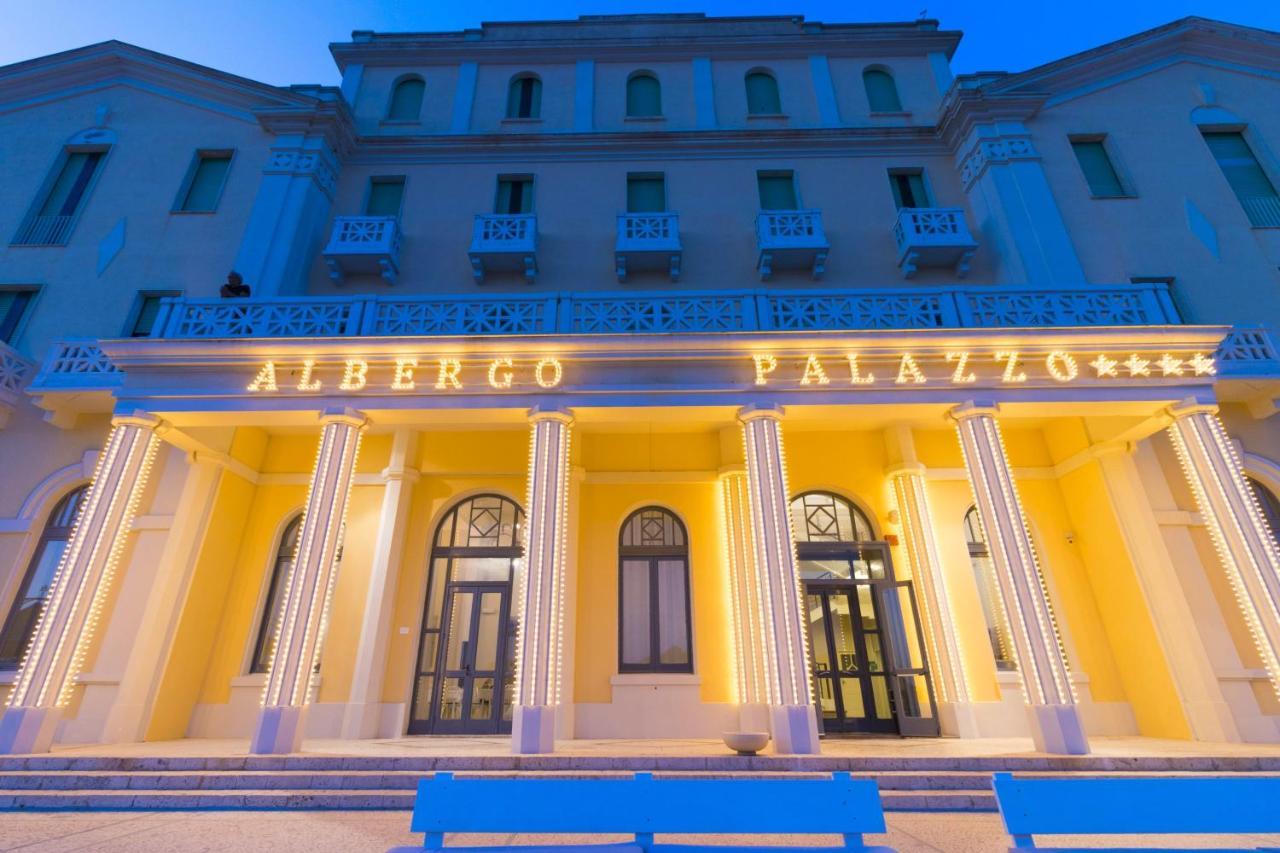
(647, 376)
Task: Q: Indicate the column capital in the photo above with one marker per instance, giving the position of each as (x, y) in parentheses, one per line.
(739, 470)
(906, 470)
(550, 413)
(344, 415)
(401, 475)
(972, 409)
(1192, 406)
(137, 418)
(754, 411)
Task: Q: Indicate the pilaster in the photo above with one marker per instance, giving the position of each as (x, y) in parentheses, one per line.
(1046, 682)
(744, 590)
(784, 660)
(309, 588)
(542, 592)
(46, 678)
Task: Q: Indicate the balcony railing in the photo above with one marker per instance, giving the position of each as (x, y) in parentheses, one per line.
(44, 231)
(791, 239)
(1249, 351)
(364, 245)
(648, 241)
(933, 237)
(1263, 211)
(977, 306)
(504, 242)
(15, 372)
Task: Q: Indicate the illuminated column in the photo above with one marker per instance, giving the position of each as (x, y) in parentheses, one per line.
(307, 592)
(744, 604)
(542, 587)
(1046, 683)
(1240, 532)
(784, 661)
(48, 673)
(947, 662)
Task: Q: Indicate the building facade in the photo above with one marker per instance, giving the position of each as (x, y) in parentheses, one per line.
(644, 377)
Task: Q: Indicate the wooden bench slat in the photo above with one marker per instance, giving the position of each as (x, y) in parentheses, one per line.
(1136, 806)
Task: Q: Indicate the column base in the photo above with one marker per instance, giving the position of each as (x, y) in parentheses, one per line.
(279, 730)
(753, 717)
(958, 719)
(794, 729)
(28, 730)
(1056, 729)
(533, 729)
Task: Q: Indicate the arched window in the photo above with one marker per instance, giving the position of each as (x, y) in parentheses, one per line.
(984, 573)
(524, 97)
(406, 99)
(653, 593)
(882, 93)
(644, 96)
(824, 517)
(29, 602)
(1270, 505)
(264, 645)
(762, 94)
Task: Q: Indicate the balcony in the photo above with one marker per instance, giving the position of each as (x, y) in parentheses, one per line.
(15, 372)
(364, 245)
(933, 237)
(504, 242)
(791, 239)
(44, 231)
(648, 241)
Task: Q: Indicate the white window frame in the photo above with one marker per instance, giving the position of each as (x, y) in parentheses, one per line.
(190, 177)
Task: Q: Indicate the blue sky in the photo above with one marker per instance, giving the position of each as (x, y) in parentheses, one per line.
(286, 41)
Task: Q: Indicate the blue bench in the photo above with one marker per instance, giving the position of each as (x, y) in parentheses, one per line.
(1217, 805)
(640, 805)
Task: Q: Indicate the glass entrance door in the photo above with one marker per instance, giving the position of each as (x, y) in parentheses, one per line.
(473, 696)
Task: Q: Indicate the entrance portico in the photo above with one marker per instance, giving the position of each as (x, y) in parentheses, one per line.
(737, 439)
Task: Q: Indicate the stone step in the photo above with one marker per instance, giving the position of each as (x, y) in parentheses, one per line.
(129, 800)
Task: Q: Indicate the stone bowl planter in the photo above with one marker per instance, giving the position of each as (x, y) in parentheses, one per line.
(746, 743)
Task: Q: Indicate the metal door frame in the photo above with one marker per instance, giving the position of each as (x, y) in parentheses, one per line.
(465, 725)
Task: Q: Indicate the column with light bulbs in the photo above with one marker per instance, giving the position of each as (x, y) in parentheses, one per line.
(55, 655)
(744, 589)
(309, 588)
(1246, 545)
(784, 659)
(1053, 712)
(541, 595)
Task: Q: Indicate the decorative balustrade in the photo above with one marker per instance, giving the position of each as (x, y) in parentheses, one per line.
(791, 239)
(986, 306)
(933, 237)
(44, 231)
(364, 245)
(504, 242)
(1249, 351)
(75, 364)
(15, 372)
(648, 241)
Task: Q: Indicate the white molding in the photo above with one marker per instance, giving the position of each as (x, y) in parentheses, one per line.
(655, 679)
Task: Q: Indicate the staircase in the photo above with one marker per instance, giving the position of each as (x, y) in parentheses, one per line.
(369, 782)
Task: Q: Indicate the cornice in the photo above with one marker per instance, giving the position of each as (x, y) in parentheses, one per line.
(963, 109)
(855, 141)
(330, 119)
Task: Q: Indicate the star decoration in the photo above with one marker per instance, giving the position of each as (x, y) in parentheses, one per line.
(1201, 365)
(1138, 366)
(1105, 366)
(1169, 365)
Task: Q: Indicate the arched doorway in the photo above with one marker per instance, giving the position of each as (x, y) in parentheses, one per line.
(465, 667)
(866, 652)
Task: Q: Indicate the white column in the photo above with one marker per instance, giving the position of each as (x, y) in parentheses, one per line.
(1244, 542)
(1042, 664)
(542, 585)
(310, 587)
(363, 713)
(955, 709)
(54, 658)
(784, 664)
(748, 633)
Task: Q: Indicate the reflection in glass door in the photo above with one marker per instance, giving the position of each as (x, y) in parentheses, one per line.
(472, 672)
(850, 676)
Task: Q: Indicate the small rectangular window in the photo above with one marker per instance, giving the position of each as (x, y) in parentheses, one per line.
(386, 196)
(777, 190)
(515, 195)
(145, 311)
(205, 179)
(646, 193)
(14, 303)
(1099, 172)
(908, 188)
(51, 218)
(1244, 173)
